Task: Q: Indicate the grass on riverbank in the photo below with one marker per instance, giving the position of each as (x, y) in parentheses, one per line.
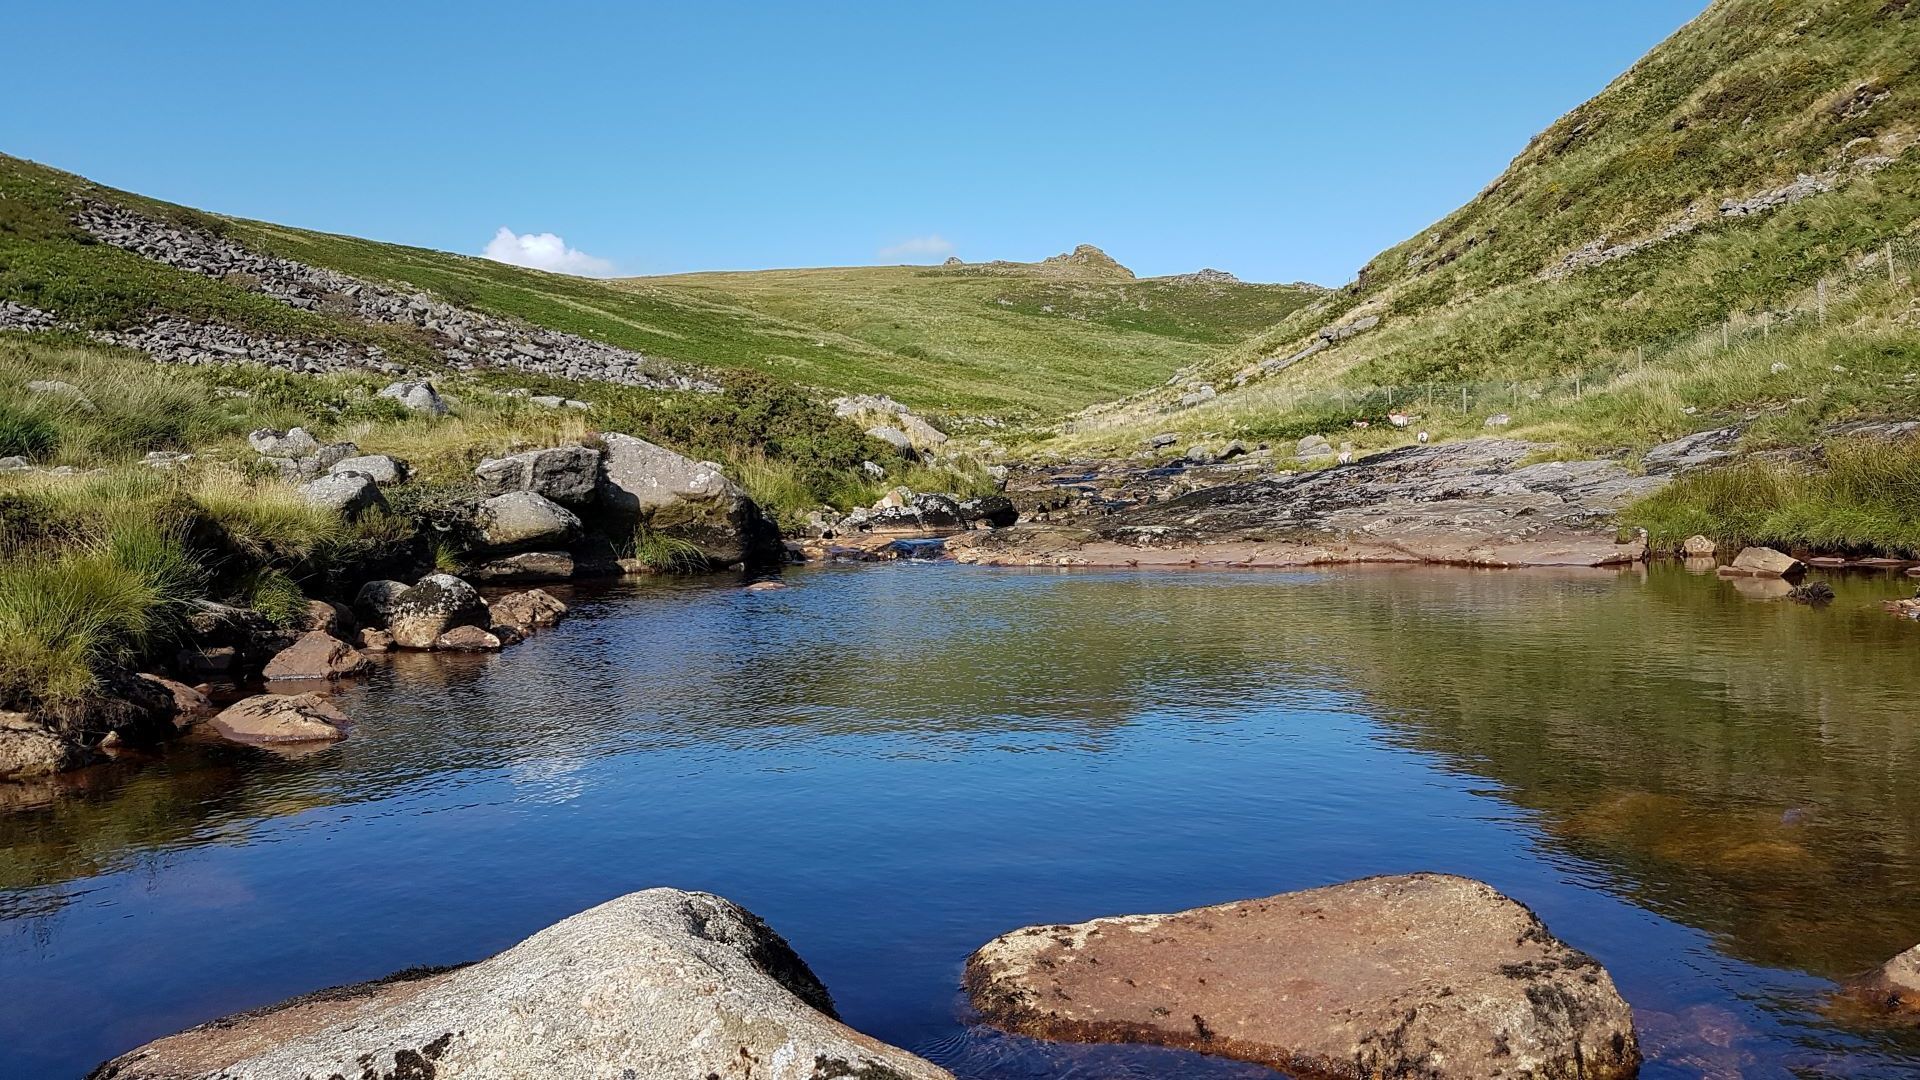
(1861, 497)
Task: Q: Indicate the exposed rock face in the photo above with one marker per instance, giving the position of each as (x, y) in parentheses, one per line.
(566, 474)
(346, 494)
(417, 617)
(893, 437)
(526, 610)
(271, 719)
(655, 984)
(465, 339)
(993, 511)
(1763, 562)
(1469, 503)
(1423, 975)
(644, 485)
(316, 655)
(1691, 451)
(521, 519)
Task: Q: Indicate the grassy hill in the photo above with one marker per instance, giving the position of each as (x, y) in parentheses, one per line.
(1022, 342)
(1705, 241)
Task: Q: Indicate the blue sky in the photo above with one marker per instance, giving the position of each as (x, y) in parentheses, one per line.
(1279, 141)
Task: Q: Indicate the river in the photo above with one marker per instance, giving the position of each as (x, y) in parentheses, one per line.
(1717, 796)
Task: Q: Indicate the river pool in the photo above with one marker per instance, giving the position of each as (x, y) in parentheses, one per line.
(1716, 795)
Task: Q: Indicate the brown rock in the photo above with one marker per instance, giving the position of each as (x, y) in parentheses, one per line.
(508, 634)
(1424, 975)
(765, 586)
(28, 750)
(269, 719)
(316, 655)
(1698, 545)
(1893, 986)
(1763, 562)
(190, 706)
(322, 617)
(372, 640)
(467, 639)
(530, 609)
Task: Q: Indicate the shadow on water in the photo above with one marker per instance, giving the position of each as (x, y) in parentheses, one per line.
(1714, 794)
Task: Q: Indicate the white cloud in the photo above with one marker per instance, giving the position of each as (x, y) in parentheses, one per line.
(931, 246)
(544, 251)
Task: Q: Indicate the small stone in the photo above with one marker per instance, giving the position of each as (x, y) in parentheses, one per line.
(1764, 562)
(1698, 545)
(421, 397)
(372, 640)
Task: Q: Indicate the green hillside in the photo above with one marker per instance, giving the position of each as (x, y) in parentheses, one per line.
(1019, 342)
(1703, 240)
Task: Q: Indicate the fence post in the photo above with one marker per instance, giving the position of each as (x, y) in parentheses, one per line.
(1893, 280)
(1820, 295)
(1576, 386)
(1463, 400)
(1726, 335)
(1389, 397)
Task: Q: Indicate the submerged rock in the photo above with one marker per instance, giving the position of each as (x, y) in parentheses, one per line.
(1424, 975)
(468, 639)
(1893, 987)
(655, 984)
(270, 719)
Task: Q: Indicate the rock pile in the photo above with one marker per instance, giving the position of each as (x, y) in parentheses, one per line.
(465, 339)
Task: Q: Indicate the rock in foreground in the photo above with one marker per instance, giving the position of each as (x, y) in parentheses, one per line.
(660, 983)
(274, 719)
(1423, 975)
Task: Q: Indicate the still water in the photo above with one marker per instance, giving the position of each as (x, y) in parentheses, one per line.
(1717, 796)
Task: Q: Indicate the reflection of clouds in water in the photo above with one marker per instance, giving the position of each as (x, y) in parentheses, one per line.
(977, 1052)
(548, 779)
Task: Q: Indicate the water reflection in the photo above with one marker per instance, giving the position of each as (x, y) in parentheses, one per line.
(1714, 793)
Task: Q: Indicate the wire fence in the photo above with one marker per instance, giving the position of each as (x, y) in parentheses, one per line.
(1494, 398)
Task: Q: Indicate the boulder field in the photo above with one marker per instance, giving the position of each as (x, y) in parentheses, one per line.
(1423, 975)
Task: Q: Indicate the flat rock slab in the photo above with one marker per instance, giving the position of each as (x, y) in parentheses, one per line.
(656, 984)
(1420, 975)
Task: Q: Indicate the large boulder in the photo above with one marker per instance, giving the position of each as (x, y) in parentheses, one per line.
(656, 984)
(1424, 975)
(294, 443)
(523, 519)
(317, 654)
(569, 475)
(421, 397)
(346, 494)
(274, 719)
(417, 617)
(647, 486)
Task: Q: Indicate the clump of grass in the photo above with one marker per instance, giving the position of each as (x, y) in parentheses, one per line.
(65, 616)
(665, 554)
(277, 596)
(25, 432)
(1863, 497)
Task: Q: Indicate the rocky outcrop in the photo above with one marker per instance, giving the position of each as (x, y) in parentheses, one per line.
(655, 984)
(644, 486)
(568, 475)
(274, 719)
(439, 602)
(1423, 975)
(29, 751)
(464, 339)
(1469, 503)
(316, 655)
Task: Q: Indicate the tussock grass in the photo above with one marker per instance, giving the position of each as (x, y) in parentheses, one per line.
(1862, 496)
